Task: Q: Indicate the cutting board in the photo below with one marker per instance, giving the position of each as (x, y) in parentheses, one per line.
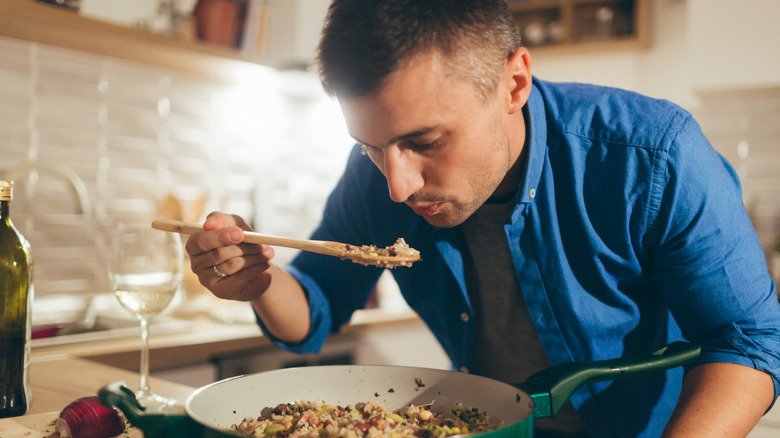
(42, 426)
(35, 426)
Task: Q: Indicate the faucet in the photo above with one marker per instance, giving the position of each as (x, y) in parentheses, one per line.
(76, 184)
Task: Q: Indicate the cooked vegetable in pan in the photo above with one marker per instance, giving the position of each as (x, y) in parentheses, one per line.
(317, 419)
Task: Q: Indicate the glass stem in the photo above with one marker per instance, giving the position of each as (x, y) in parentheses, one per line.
(144, 386)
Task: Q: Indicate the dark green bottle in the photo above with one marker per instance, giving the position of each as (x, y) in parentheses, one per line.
(16, 292)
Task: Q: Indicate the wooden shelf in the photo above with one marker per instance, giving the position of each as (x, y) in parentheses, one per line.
(43, 23)
(573, 26)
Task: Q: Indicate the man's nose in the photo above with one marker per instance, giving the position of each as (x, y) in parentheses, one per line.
(404, 176)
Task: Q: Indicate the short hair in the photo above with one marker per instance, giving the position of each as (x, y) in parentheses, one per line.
(364, 41)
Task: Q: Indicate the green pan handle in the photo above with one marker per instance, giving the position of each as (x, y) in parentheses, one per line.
(154, 421)
(552, 387)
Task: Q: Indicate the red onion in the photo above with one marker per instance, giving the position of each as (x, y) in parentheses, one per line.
(88, 418)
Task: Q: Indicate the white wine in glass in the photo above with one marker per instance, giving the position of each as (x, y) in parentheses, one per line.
(145, 270)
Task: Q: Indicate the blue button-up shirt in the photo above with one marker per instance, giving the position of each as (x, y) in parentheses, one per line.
(629, 233)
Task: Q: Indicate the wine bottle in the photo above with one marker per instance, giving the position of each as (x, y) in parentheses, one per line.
(16, 292)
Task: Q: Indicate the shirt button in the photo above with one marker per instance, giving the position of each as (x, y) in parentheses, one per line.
(464, 317)
(464, 369)
(532, 193)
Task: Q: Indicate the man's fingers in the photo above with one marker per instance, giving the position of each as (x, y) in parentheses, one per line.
(217, 220)
(224, 254)
(244, 285)
(224, 264)
(234, 265)
(209, 240)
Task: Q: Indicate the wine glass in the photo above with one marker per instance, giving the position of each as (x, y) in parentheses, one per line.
(145, 271)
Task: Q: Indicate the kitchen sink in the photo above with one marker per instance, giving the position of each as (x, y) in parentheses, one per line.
(53, 321)
(112, 327)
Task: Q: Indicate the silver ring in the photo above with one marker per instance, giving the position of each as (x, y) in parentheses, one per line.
(219, 273)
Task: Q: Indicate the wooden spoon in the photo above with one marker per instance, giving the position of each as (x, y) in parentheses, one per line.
(365, 255)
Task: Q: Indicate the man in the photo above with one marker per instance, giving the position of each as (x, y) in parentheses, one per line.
(556, 222)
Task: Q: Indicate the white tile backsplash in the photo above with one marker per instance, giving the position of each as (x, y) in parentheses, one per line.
(135, 134)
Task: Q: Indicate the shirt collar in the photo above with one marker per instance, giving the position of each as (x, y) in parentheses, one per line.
(535, 147)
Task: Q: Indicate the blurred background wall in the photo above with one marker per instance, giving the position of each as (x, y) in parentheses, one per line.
(144, 141)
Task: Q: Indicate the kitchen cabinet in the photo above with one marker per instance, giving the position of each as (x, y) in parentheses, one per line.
(406, 342)
(562, 26)
(733, 45)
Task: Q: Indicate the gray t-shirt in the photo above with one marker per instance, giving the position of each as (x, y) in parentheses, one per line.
(507, 346)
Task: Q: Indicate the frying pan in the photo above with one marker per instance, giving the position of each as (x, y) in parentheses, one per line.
(213, 408)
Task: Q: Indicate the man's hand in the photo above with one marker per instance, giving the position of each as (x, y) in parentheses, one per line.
(244, 265)
(234, 270)
(227, 267)
(720, 400)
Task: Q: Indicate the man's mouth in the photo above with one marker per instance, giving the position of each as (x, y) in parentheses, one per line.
(426, 210)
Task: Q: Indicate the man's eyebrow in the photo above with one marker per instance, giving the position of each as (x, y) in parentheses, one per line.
(413, 134)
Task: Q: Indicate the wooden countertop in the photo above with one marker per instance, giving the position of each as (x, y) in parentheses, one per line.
(57, 381)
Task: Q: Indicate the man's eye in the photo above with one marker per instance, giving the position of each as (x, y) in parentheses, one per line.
(420, 146)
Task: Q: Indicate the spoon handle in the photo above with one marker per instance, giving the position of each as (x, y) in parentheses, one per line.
(327, 248)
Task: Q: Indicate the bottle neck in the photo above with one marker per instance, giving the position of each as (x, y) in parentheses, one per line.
(5, 207)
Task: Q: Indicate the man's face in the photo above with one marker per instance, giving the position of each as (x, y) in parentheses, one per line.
(443, 149)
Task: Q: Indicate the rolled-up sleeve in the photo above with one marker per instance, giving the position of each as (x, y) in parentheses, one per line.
(319, 309)
(745, 343)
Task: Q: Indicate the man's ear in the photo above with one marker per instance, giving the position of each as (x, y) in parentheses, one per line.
(517, 77)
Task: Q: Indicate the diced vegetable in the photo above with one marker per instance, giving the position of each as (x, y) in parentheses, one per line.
(272, 429)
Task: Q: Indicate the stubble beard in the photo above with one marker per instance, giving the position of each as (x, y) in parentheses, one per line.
(484, 183)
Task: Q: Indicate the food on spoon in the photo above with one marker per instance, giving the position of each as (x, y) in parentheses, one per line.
(88, 418)
(370, 255)
(317, 419)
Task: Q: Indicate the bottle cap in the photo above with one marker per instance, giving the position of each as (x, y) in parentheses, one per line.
(6, 190)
